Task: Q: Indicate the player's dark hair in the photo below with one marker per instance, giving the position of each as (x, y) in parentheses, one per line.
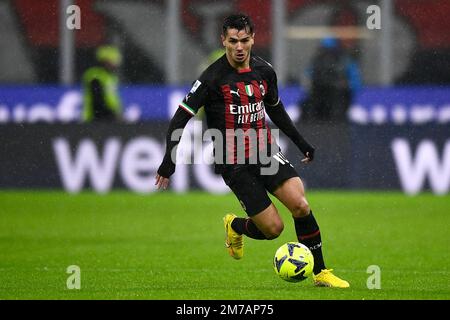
(237, 21)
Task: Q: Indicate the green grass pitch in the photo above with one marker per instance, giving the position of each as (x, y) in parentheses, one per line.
(171, 246)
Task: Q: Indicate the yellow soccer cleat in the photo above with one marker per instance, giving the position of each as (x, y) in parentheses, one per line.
(233, 240)
(327, 279)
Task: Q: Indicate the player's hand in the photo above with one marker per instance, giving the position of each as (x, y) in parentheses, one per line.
(161, 182)
(309, 156)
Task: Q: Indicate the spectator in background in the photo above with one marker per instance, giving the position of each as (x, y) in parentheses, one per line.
(332, 81)
(101, 100)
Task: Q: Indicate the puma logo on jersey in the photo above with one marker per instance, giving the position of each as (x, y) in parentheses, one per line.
(235, 92)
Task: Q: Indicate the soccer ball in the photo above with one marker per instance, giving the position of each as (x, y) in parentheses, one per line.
(293, 262)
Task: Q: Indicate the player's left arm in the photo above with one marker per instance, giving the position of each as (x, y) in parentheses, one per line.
(277, 113)
(281, 119)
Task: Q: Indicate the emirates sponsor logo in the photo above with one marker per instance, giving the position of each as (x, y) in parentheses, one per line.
(247, 108)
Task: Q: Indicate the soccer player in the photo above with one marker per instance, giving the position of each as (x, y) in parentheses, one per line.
(235, 91)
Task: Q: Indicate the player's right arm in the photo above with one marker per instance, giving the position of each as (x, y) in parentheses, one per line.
(167, 167)
(188, 108)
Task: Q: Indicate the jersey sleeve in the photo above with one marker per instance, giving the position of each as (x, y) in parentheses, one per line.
(271, 98)
(196, 97)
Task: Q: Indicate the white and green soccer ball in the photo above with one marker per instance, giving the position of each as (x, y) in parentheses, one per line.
(293, 262)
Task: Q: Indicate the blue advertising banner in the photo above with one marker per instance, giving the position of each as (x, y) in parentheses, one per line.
(401, 105)
(373, 105)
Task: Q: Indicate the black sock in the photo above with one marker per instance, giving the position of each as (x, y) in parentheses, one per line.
(308, 233)
(248, 227)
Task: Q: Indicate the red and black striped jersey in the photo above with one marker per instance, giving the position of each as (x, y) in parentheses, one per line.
(235, 99)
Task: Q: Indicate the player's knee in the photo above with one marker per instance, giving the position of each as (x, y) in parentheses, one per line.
(301, 208)
(274, 230)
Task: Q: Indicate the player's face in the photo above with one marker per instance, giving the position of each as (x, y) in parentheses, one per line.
(238, 45)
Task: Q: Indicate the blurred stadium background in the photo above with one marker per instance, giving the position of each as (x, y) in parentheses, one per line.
(68, 190)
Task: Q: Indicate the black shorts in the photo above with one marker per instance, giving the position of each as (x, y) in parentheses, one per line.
(250, 186)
